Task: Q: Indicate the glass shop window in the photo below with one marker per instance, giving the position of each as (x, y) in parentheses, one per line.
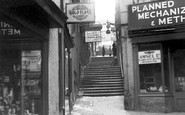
(150, 69)
(179, 65)
(20, 82)
(31, 81)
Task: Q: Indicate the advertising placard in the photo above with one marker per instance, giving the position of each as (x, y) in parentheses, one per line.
(92, 36)
(80, 12)
(149, 57)
(156, 14)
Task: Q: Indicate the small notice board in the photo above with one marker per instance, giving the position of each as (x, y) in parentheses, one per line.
(149, 57)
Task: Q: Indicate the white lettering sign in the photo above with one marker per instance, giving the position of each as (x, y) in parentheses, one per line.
(154, 14)
(92, 36)
(80, 12)
(149, 57)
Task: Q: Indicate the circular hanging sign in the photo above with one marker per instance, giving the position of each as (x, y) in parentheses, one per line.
(80, 12)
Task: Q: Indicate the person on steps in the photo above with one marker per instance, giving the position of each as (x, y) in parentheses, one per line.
(110, 51)
(103, 51)
(114, 49)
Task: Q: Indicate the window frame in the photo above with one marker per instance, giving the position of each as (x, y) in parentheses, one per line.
(161, 64)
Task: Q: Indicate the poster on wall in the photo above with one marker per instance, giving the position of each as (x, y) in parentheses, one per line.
(149, 57)
(92, 36)
(31, 60)
(80, 12)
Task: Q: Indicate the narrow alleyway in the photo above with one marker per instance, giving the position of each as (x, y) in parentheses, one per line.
(103, 104)
(111, 105)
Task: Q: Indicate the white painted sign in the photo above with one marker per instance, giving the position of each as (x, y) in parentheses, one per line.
(156, 14)
(92, 36)
(80, 12)
(149, 57)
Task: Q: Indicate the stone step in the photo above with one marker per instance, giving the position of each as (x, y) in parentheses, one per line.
(103, 73)
(93, 76)
(102, 69)
(101, 58)
(104, 91)
(102, 80)
(103, 94)
(101, 85)
(101, 88)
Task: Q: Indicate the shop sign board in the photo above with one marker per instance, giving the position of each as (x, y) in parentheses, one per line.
(149, 57)
(156, 14)
(92, 36)
(80, 12)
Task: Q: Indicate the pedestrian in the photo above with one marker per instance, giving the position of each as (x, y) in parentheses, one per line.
(114, 49)
(103, 51)
(110, 51)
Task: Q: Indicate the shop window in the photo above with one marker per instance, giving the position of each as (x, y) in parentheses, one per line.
(179, 65)
(150, 68)
(31, 81)
(20, 81)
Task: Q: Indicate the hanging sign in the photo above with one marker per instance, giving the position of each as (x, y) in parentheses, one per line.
(92, 36)
(80, 12)
(149, 57)
(156, 14)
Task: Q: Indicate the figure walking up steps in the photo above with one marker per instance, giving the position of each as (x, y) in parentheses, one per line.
(103, 51)
(114, 49)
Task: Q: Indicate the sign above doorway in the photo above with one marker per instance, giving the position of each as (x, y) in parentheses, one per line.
(156, 14)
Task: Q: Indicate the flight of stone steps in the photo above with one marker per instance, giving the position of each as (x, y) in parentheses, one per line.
(100, 78)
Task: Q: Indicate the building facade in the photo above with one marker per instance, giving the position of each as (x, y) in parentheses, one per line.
(151, 39)
(77, 55)
(33, 38)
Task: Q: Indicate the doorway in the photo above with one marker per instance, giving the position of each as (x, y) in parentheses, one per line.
(179, 81)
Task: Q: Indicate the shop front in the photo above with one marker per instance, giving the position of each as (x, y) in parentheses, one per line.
(160, 75)
(31, 56)
(158, 44)
(20, 79)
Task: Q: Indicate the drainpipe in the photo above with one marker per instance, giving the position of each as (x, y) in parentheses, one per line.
(70, 81)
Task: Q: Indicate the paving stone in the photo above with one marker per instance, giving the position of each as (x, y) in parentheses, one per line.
(112, 105)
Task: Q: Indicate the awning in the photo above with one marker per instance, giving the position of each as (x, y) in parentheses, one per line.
(35, 16)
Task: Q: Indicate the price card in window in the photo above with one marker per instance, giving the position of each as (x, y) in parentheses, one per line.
(149, 57)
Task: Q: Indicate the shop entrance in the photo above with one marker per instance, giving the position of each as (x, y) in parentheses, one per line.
(179, 80)
(20, 79)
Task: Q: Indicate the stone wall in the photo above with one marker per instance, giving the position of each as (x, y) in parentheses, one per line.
(53, 73)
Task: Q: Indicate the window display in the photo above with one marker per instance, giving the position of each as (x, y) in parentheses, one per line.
(20, 82)
(150, 78)
(152, 73)
(179, 74)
